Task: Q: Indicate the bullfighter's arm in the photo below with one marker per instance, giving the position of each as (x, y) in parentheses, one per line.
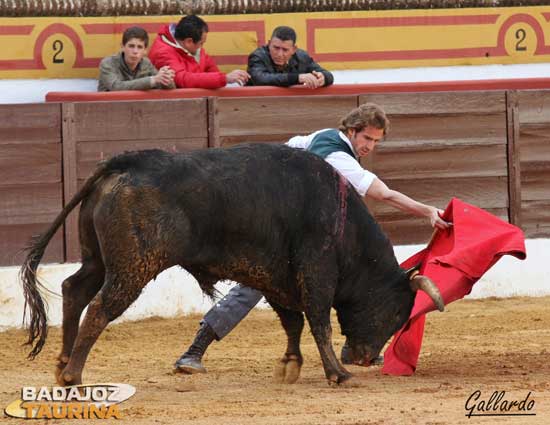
(366, 183)
(380, 191)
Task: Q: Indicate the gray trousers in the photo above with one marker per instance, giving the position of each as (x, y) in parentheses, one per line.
(231, 309)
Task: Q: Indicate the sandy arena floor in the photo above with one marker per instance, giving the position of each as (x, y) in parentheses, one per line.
(487, 345)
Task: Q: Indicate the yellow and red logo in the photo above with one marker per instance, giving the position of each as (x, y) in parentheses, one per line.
(91, 401)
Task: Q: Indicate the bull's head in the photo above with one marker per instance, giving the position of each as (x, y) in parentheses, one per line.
(381, 311)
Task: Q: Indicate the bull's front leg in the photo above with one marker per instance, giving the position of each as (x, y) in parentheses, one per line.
(288, 369)
(318, 316)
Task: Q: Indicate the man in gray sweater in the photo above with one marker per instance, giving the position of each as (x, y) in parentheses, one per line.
(129, 69)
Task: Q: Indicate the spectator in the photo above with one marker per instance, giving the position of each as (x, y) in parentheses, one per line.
(181, 48)
(129, 69)
(281, 63)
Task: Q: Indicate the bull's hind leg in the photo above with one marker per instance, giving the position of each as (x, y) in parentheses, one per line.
(81, 287)
(288, 369)
(128, 226)
(117, 294)
(78, 290)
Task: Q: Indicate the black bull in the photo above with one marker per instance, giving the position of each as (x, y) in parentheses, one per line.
(276, 219)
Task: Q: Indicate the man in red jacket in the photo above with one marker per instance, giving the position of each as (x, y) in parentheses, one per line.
(180, 47)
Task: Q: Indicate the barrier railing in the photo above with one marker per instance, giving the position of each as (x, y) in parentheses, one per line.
(334, 90)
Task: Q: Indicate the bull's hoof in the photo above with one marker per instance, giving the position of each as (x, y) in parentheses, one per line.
(287, 371)
(353, 382)
(66, 379)
(189, 365)
(62, 362)
(339, 379)
(59, 368)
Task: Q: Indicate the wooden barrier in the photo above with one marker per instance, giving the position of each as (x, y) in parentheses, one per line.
(488, 148)
(534, 145)
(273, 119)
(31, 190)
(99, 130)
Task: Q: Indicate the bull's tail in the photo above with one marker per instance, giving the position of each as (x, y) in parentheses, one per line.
(38, 324)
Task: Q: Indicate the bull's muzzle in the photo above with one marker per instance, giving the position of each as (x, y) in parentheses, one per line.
(358, 355)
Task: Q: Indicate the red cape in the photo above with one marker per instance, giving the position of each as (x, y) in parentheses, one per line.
(455, 259)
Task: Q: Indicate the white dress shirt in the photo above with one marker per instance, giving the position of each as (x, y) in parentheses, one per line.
(346, 165)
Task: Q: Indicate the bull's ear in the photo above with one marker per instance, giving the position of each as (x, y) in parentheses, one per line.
(413, 271)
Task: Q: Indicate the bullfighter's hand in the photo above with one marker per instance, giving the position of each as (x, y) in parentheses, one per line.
(308, 80)
(320, 78)
(436, 220)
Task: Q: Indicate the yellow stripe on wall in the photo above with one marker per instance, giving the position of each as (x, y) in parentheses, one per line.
(73, 47)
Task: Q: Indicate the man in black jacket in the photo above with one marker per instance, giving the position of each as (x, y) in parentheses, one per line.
(281, 63)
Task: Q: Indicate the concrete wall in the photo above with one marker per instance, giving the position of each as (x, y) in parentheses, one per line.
(176, 292)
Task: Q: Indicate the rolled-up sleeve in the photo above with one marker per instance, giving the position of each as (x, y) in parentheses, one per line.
(299, 142)
(360, 178)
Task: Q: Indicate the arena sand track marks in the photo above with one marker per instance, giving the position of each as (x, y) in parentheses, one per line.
(488, 345)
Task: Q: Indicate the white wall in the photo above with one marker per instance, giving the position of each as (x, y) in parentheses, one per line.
(30, 91)
(176, 292)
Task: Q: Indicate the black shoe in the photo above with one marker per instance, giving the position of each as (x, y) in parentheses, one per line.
(191, 361)
(189, 365)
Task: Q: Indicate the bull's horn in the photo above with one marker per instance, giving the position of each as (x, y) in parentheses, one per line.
(425, 284)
